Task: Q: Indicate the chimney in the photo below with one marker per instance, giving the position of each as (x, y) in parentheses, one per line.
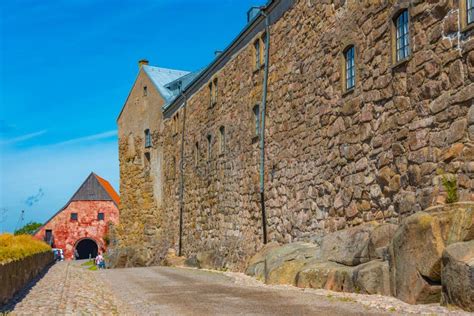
(142, 62)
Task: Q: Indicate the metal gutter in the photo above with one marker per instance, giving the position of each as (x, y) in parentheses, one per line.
(262, 126)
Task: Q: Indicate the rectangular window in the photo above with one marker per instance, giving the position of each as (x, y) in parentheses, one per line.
(263, 48)
(145, 91)
(350, 68)
(48, 237)
(196, 154)
(470, 11)
(222, 139)
(147, 138)
(402, 36)
(215, 91)
(100, 216)
(257, 53)
(209, 147)
(211, 95)
(73, 216)
(256, 113)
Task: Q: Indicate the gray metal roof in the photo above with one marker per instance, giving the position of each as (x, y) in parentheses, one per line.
(163, 76)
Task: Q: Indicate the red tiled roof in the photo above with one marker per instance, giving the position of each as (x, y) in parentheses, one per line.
(110, 190)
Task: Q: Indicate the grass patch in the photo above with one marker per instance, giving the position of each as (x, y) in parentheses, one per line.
(93, 268)
(13, 248)
(345, 299)
(88, 263)
(392, 309)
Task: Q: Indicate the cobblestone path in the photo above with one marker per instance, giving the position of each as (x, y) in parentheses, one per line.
(69, 289)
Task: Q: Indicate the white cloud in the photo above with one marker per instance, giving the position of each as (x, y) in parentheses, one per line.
(22, 138)
(89, 138)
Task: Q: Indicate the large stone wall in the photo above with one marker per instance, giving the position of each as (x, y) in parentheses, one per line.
(333, 159)
(140, 179)
(16, 275)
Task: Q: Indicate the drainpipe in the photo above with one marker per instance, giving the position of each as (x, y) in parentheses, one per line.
(262, 125)
(181, 188)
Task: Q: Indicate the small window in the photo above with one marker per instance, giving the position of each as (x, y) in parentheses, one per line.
(100, 216)
(215, 90)
(209, 147)
(349, 68)
(211, 95)
(145, 91)
(147, 138)
(402, 36)
(73, 216)
(256, 114)
(147, 160)
(262, 48)
(256, 45)
(222, 139)
(196, 154)
(470, 11)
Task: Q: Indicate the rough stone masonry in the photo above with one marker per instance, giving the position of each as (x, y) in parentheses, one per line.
(333, 158)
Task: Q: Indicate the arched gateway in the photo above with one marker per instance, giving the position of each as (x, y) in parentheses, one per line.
(86, 248)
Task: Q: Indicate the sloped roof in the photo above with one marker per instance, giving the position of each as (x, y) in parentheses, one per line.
(161, 77)
(94, 188)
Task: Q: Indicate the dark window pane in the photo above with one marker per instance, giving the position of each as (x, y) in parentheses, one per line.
(74, 216)
(402, 36)
(350, 68)
(100, 216)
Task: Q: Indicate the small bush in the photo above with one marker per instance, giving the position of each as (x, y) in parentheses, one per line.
(450, 184)
(14, 248)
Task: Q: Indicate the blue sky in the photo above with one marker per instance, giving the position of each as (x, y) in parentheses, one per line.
(66, 68)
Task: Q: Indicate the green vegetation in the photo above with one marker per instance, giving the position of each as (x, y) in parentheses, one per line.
(93, 268)
(14, 248)
(450, 184)
(28, 229)
(88, 263)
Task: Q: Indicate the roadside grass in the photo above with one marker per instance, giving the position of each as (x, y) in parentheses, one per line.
(13, 248)
(88, 263)
(93, 268)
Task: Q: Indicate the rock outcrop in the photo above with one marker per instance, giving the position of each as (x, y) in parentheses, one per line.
(428, 258)
(457, 275)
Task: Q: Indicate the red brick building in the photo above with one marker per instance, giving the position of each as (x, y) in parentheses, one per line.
(83, 223)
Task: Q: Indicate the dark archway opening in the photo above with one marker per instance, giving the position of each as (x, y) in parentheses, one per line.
(86, 248)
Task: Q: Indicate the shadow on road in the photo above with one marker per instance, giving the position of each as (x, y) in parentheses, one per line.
(20, 295)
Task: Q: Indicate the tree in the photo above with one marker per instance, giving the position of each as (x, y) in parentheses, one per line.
(28, 229)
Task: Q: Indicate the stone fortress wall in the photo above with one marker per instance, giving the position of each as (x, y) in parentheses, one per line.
(334, 159)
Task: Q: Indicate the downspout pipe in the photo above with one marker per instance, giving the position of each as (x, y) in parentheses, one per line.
(262, 124)
(181, 184)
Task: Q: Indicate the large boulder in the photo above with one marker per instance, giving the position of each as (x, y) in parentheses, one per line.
(457, 275)
(418, 245)
(380, 239)
(279, 264)
(209, 260)
(456, 221)
(372, 277)
(326, 275)
(349, 247)
(415, 259)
